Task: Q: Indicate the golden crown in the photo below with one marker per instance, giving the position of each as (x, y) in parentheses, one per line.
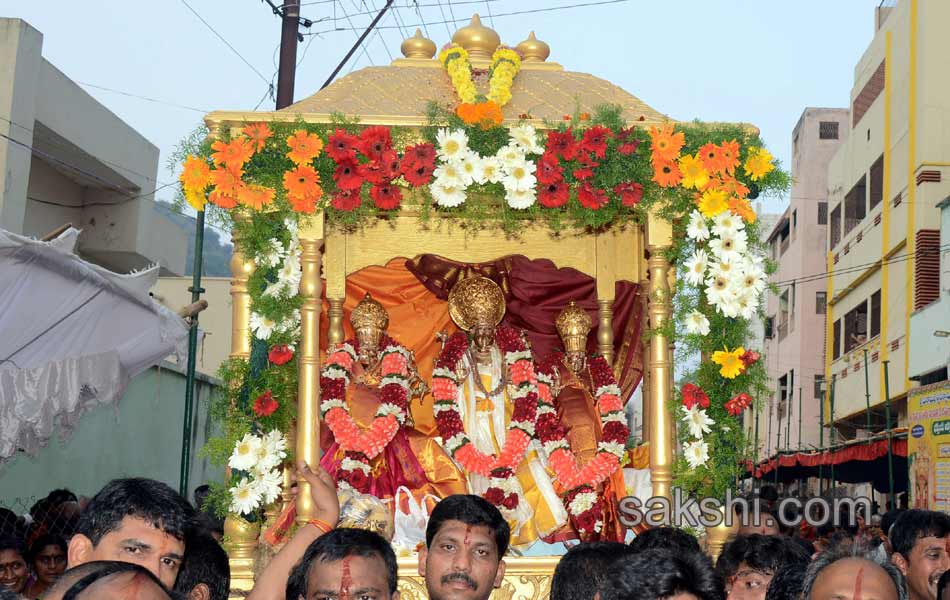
(369, 314)
(476, 300)
(573, 325)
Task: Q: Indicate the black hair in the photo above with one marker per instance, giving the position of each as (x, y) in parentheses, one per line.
(788, 582)
(942, 584)
(914, 524)
(47, 539)
(9, 521)
(146, 499)
(888, 519)
(57, 497)
(205, 562)
(766, 553)
(654, 574)
(337, 545)
(471, 510)
(98, 570)
(671, 538)
(209, 523)
(201, 494)
(580, 572)
(13, 543)
(768, 493)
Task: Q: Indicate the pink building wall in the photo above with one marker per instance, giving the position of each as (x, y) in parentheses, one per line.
(796, 349)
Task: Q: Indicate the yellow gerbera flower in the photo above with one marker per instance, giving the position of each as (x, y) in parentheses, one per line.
(712, 203)
(758, 164)
(694, 173)
(730, 363)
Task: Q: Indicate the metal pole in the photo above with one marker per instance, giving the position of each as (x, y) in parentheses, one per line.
(196, 291)
(357, 44)
(887, 417)
(821, 443)
(789, 400)
(831, 434)
(287, 69)
(867, 394)
(778, 451)
(799, 417)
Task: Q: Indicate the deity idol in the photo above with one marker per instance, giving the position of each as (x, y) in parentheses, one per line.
(366, 386)
(489, 399)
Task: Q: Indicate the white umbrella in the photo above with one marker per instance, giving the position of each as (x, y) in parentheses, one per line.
(72, 335)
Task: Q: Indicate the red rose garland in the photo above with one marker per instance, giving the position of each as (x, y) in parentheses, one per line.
(503, 485)
(583, 505)
(362, 446)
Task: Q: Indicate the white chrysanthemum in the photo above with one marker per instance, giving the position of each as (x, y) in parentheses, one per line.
(696, 266)
(447, 195)
(615, 448)
(729, 305)
(729, 247)
(452, 144)
(520, 175)
(697, 229)
(290, 273)
(520, 199)
(697, 420)
(752, 279)
(454, 443)
(450, 173)
(526, 137)
(697, 323)
(291, 323)
(551, 446)
(268, 484)
(276, 444)
(246, 453)
(747, 304)
(245, 497)
(583, 502)
(509, 154)
(273, 255)
(348, 464)
(490, 170)
(727, 223)
(717, 290)
(265, 460)
(724, 268)
(263, 327)
(696, 453)
(470, 167)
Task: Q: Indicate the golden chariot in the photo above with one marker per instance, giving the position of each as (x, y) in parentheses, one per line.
(396, 95)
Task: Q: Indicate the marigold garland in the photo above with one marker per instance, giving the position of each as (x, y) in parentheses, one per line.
(503, 485)
(583, 504)
(362, 446)
(475, 110)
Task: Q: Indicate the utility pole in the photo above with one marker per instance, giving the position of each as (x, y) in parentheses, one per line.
(287, 70)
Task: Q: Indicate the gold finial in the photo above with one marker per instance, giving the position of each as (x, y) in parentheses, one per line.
(533, 49)
(418, 46)
(573, 325)
(369, 314)
(476, 301)
(478, 40)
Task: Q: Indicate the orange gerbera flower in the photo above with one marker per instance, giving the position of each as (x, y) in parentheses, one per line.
(733, 187)
(742, 208)
(666, 173)
(196, 174)
(259, 134)
(222, 200)
(255, 196)
(232, 154)
(226, 180)
(666, 144)
(303, 183)
(711, 155)
(304, 146)
(730, 156)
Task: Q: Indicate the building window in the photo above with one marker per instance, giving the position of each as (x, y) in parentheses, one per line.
(927, 267)
(794, 218)
(855, 205)
(769, 324)
(820, 302)
(836, 349)
(856, 326)
(835, 226)
(822, 213)
(877, 183)
(876, 313)
(819, 381)
(828, 130)
(869, 93)
(784, 236)
(783, 316)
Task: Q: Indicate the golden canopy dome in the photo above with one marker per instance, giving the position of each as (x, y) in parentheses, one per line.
(478, 40)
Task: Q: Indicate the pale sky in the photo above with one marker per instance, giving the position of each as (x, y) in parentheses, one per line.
(713, 60)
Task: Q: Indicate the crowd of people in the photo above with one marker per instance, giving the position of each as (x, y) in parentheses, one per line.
(139, 539)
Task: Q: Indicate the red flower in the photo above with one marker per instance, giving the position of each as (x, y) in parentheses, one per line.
(510, 502)
(553, 195)
(347, 175)
(265, 405)
(614, 431)
(346, 200)
(693, 395)
(450, 421)
(591, 197)
(421, 152)
(389, 163)
(495, 495)
(417, 173)
(386, 197)
(585, 521)
(341, 146)
(630, 193)
(738, 404)
(375, 140)
(549, 169)
(595, 140)
(562, 144)
(280, 354)
(332, 388)
(749, 358)
(549, 428)
(357, 478)
(587, 167)
(601, 372)
(628, 143)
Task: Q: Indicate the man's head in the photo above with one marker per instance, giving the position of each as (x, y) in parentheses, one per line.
(108, 580)
(748, 563)
(787, 583)
(853, 572)
(919, 542)
(580, 572)
(14, 570)
(135, 520)
(346, 564)
(761, 519)
(670, 538)
(657, 574)
(466, 541)
(205, 573)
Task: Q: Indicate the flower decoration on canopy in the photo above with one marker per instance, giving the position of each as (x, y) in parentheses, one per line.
(258, 459)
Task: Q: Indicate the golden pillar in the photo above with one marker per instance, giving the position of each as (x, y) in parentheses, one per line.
(659, 239)
(605, 329)
(308, 359)
(335, 333)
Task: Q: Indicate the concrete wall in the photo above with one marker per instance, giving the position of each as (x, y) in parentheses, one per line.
(930, 326)
(142, 436)
(215, 321)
